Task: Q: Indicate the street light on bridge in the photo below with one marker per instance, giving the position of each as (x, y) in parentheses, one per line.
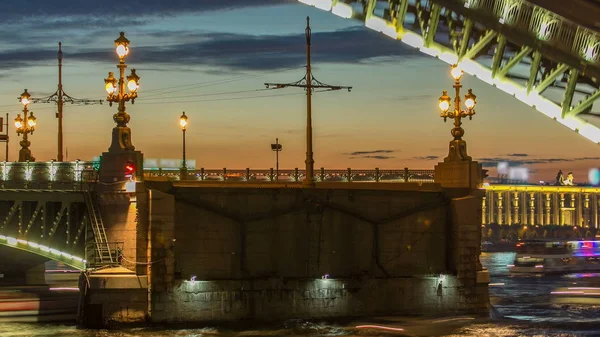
(118, 94)
(458, 147)
(183, 122)
(25, 126)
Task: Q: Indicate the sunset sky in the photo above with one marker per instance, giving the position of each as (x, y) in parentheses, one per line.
(210, 59)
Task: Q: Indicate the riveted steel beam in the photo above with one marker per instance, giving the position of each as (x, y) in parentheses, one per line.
(550, 78)
(585, 104)
(399, 15)
(82, 225)
(432, 26)
(369, 9)
(11, 212)
(498, 55)
(420, 18)
(569, 91)
(536, 61)
(479, 45)
(38, 207)
(466, 37)
(514, 61)
(58, 218)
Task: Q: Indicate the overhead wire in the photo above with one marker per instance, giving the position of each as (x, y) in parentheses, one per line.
(191, 86)
(233, 98)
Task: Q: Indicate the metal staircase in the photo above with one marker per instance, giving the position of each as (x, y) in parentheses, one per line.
(100, 253)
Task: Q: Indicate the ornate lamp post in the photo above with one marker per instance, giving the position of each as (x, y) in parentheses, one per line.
(458, 147)
(183, 170)
(118, 94)
(25, 126)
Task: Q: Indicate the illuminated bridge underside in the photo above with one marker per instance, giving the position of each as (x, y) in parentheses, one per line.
(51, 224)
(539, 57)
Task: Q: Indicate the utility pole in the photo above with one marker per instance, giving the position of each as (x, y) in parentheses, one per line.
(4, 137)
(60, 97)
(309, 83)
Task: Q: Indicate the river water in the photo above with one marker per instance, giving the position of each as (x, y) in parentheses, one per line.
(523, 306)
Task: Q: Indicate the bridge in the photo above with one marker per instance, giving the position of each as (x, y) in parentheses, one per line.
(50, 210)
(153, 245)
(543, 53)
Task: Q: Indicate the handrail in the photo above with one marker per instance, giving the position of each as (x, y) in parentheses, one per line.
(547, 26)
(297, 175)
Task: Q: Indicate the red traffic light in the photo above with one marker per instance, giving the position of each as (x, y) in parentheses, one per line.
(129, 169)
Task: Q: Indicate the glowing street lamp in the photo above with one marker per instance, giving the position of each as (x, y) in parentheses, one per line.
(458, 147)
(25, 126)
(183, 122)
(120, 91)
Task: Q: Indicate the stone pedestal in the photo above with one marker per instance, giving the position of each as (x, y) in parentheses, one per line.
(112, 166)
(459, 174)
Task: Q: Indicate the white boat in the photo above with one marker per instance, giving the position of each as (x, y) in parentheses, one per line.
(560, 257)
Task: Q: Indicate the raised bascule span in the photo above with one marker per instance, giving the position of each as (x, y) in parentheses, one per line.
(557, 47)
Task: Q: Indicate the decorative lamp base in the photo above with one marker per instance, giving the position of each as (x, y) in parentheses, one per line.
(457, 151)
(25, 155)
(121, 139)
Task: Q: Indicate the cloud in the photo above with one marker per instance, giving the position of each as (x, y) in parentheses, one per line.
(518, 155)
(16, 11)
(493, 162)
(360, 153)
(234, 52)
(375, 154)
(426, 158)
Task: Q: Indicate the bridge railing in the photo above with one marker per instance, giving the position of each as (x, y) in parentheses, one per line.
(543, 24)
(51, 175)
(296, 175)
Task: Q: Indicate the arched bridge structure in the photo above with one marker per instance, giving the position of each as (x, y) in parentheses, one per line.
(543, 52)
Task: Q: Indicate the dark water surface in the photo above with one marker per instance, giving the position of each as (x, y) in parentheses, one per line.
(524, 306)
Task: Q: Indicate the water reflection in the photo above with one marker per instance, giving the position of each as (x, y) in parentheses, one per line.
(523, 304)
(529, 297)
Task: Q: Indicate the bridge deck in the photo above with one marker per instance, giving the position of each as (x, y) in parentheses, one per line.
(583, 12)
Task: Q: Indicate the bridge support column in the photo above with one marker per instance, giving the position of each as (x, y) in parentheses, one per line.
(459, 174)
(112, 167)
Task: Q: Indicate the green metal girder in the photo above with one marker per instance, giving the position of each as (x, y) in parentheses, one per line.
(334, 2)
(548, 80)
(58, 218)
(498, 55)
(569, 91)
(585, 104)
(80, 230)
(400, 15)
(11, 212)
(536, 61)
(466, 37)
(479, 45)
(514, 61)
(420, 20)
(38, 206)
(370, 9)
(434, 19)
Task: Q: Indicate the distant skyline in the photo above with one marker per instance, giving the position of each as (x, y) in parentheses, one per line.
(210, 59)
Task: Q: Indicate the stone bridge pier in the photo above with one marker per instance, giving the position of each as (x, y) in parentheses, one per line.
(220, 251)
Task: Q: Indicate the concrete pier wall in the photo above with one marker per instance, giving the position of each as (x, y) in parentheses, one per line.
(226, 253)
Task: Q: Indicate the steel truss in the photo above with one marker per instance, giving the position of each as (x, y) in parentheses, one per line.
(47, 227)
